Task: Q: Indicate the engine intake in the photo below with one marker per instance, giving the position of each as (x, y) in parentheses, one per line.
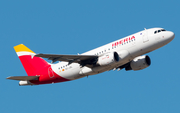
(108, 58)
(139, 63)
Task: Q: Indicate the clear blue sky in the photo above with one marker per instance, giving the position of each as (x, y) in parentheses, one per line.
(76, 26)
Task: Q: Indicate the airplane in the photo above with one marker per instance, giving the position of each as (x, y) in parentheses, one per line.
(126, 53)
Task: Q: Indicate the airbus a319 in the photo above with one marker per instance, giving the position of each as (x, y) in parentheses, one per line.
(126, 53)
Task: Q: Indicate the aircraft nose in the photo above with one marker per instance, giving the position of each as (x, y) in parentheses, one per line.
(171, 35)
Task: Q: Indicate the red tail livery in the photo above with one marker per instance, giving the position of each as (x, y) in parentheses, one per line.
(38, 70)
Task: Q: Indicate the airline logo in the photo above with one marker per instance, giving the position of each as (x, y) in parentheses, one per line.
(123, 41)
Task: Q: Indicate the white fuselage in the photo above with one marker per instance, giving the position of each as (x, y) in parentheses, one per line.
(127, 48)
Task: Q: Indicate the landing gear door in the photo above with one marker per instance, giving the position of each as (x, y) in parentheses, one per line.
(145, 36)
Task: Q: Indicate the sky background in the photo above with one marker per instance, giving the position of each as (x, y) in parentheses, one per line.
(76, 26)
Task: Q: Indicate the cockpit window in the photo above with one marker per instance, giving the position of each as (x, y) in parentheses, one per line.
(159, 31)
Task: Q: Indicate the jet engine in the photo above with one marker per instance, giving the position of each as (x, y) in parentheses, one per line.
(139, 63)
(108, 58)
(23, 83)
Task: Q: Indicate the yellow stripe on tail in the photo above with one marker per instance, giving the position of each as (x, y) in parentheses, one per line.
(22, 48)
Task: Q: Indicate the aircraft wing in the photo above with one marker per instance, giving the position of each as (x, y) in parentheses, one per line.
(23, 78)
(82, 59)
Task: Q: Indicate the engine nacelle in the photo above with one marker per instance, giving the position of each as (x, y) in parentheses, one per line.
(108, 58)
(139, 63)
(24, 83)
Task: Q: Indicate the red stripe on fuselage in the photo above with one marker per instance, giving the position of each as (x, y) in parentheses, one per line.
(36, 66)
(47, 77)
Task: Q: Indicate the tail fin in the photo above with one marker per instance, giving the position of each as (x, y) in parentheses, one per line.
(30, 62)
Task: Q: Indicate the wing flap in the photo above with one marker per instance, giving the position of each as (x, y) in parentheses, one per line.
(23, 78)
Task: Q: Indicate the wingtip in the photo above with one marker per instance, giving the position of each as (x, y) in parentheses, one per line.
(7, 77)
(10, 78)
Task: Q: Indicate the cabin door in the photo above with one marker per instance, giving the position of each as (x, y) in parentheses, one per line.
(145, 36)
(50, 72)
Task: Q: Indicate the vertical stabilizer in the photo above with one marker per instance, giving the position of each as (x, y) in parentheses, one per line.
(30, 62)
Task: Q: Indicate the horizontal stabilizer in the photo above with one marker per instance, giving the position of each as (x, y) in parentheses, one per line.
(23, 78)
